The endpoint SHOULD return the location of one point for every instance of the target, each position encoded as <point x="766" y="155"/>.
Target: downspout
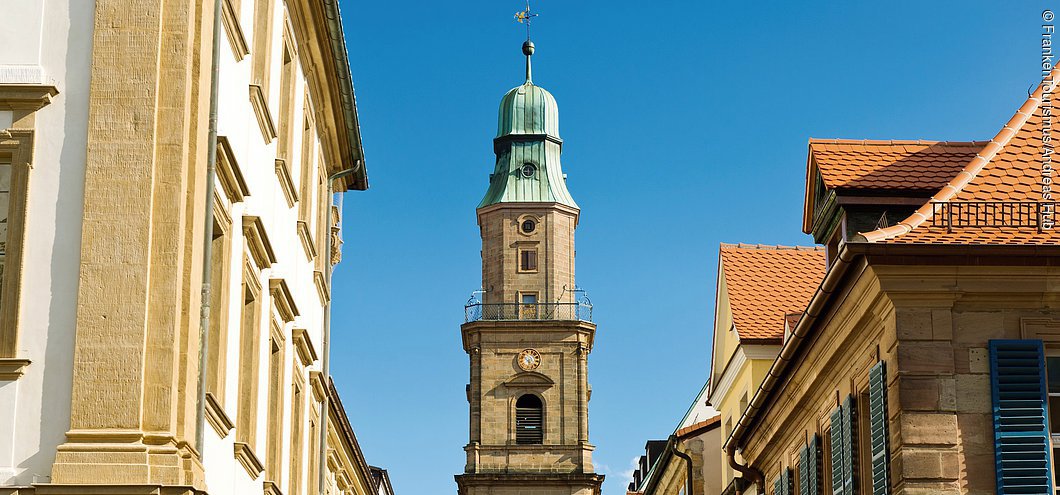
<point x="688" y="464"/>
<point x="747" y="472"/>
<point x="207" y="238"/>
<point x="325" y="361"/>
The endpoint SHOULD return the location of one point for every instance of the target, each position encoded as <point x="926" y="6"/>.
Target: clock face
<point x="529" y="359"/>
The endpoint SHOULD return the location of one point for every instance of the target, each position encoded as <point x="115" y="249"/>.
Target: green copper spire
<point x="528" y="147"/>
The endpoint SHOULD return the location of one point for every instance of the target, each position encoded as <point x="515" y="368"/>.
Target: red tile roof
<point x="1008" y="169"/>
<point x="890" y="165"/>
<point x="766" y="283"/>
<point x="699" y="427"/>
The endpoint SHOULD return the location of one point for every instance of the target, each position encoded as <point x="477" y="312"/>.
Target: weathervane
<point x="525" y="17"/>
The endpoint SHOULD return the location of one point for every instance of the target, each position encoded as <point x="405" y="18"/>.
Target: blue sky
<point x="685" y="125"/>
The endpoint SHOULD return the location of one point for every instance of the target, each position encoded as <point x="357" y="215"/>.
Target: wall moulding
<point x="236" y="39"/>
<point x="228" y="172"/>
<point x="259" y="101"/>
<point x="30" y="97"/>
<point x="216" y="416"/>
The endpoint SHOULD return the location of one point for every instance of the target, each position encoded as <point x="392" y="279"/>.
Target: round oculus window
<point x="529" y="169"/>
<point x="528" y="226"/>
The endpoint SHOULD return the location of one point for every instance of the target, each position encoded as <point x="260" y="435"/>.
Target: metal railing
<point x="576" y="311"/>
<point x="996" y="214"/>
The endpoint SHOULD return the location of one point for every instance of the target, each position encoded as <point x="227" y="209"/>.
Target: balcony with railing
<point x="581" y="310"/>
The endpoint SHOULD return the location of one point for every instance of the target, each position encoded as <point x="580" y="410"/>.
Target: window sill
<point x="12" y="369"/>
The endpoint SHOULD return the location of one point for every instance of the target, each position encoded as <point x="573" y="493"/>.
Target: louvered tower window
<point x="528" y="427"/>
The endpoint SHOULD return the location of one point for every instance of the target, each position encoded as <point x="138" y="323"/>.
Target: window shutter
<point x="782" y="485"/>
<point x="878" y="428"/>
<point x="847" y="447"/>
<point x="813" y="469"/>
<point x="1021" y="434"/>
<point x="804" y="471"/>
<point x="836" y="437"/>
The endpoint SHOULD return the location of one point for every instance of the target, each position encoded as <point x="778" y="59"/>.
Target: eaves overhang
<point x="857" y="256"/>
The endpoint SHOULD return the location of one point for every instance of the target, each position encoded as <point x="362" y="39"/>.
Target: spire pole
<point x="525" y="17"/>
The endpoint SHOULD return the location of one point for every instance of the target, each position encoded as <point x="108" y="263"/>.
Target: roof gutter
<point x="346" y="94"/>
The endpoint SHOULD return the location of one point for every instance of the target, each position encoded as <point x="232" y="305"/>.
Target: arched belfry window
<point x="528" y="427"/>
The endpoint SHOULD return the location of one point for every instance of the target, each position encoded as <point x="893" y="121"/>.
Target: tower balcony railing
<point x="555" y="311"/>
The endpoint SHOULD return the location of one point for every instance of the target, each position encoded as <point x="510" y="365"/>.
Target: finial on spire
<point x="525" y="17"/>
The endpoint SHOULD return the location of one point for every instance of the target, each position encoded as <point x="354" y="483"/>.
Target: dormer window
<point x="528" y="170"/>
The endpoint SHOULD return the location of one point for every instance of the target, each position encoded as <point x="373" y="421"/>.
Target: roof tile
<point x="890" y="165"/>
<point x="767" y="283"/>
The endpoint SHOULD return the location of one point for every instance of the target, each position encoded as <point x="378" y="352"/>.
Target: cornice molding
<point x="303" y="345"/>
<point x="246" y="457"/>
<point x="283" y="174"/>
<point x="31" y="97"/>
<point x="743" y="354"/>
<point x="322" y="287"/>
<point x="258" y="241"/>
<point x="260" y="102"/>
<point x="236" y="39"/>
<point x="12" y="368"/>
<point x="282" y="299"/>
<point x="316" y="381"/>
<point x="228" y="172"/>
<point x="306" y="237"/>
<point x="216" y="416"/>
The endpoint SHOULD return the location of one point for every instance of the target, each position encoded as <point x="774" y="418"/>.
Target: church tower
<point x="529" y="334"/>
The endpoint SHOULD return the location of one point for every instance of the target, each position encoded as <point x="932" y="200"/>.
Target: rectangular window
<point x="528" y="307"/>
<point x="314" y="449"/>
<point x="285" y="136"/>
<point x="261" y="52"/>
<point x="275" y="419"/>
<point x="528" y="260"/>
<point x="249" y="356"/>
<point x="305" y="183"/>
<point x="220" y="266"/>
<point x="297" y="418"/>
<point x="16" y="152"/>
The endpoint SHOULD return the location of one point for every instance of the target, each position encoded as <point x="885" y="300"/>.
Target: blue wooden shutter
<point x="878" y="428"/>
<point x="836" y="439"/>
<point x="813" y="470"/>
<point x="847" y="447"/>
<point x="1021" y="432"/>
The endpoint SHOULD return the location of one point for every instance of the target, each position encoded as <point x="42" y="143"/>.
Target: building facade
<point x="529" y="336"/>
<point x="925" y="361"/>
<point x="122" y="247"/>
<point x="761" y="291"/>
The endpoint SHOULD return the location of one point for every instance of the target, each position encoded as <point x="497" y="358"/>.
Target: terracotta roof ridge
<point x="886" y="142"/>
<point x="768" y="247"/>
<point x="694" y="428"/>
<point x="982" y="158"/>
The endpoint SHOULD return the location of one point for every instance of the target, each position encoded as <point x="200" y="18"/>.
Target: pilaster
<point x="135" y="358"/>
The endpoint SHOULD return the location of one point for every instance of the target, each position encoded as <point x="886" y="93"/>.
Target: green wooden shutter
<point x="804" y="471"/>
<point x="878" y="428"/>
<point x="849" y="452"/>
<point x="836" y="438"/>
<point x="1021" y="434"/>
<point x="786" y="479"/>
<point x="813" y="469"/>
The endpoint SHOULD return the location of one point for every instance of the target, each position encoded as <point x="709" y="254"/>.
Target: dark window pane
<point x="1052" y="368"/>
